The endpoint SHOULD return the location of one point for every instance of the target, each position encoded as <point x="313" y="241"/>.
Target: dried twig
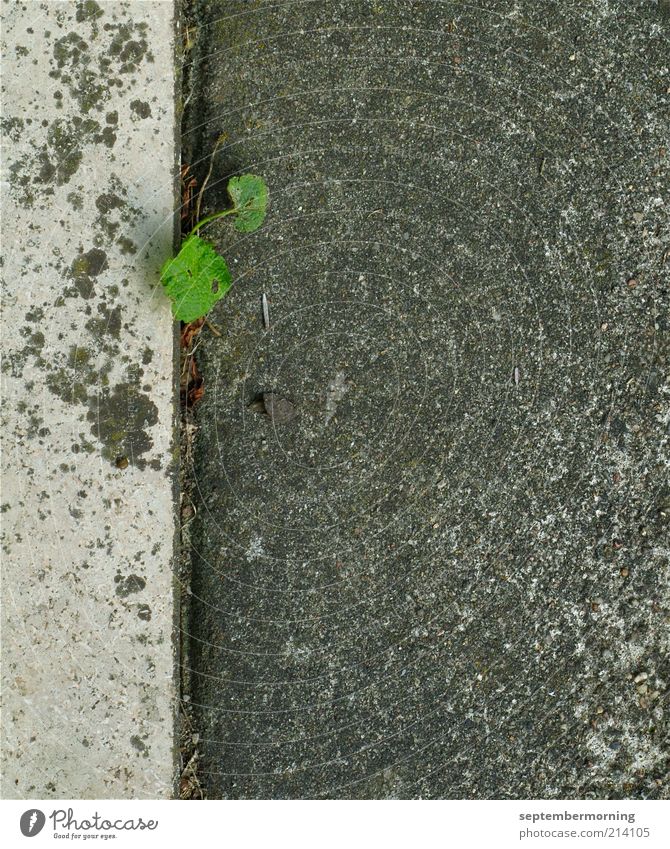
<point x="266" y="311"/>
<point x="215" y="330"/>
<point x="188" y="184"/>
<point x="219" y="142"/>
<point x="189" y="332"/>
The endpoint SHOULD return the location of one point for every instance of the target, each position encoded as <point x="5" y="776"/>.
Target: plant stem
<point x="215" y="330"/>
<point x="219" y="142"/>
<point x="211" y="218"/>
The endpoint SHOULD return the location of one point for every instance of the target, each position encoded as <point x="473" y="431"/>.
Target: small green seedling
<point x="198" y="276"/>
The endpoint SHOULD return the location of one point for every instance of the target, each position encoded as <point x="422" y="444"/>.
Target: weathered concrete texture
<point x="87" y="499"/>
<point x="446" y="578"/>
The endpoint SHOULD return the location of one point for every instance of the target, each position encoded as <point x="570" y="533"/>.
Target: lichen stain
<point x="88" y="10"/>
<point x="141" y="108"/>
<point x="33" y="348"/>
<point x="60" y="158"/>
<point x="70" y="391"/>
<point x="119" y="417"/>
<point x="125" y="586"/>
<point x="88" y="74"/>
<point x="127" y="246"/>
<point x="109" y="322"/>
<point x="107" y="137"/>
<point x="86" y="267"/>
<point x="35" y="314"/>
<point x="138" y="744"/>
<point x="128" y="51"/>
<point x="12" y="128"/>
<point x="108" y="201"/>
<point x="69" y="50"/>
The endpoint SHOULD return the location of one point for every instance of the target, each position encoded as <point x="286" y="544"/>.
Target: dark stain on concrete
<point x="83" y="271"/>
<point x="108" y="201"/>
<point x="108" y="322"/>
<point x="141" y="108"/>
<point x="140" y="745"/>
<point x="119" y="417"/>
<point x="128" y="585"/>
<point x="88" y="10"/>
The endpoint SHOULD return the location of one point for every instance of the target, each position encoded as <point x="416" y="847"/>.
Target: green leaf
<point x="195" y="279"/>
<point x="249" y="195"/>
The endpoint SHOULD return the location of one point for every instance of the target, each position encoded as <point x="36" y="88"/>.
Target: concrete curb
<point x="90" y="458"/>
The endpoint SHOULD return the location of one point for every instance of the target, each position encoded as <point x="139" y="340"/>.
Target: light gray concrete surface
<point x="88" y="121"/>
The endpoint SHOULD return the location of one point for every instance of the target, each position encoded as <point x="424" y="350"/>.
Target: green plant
<point x="198" y="276"/>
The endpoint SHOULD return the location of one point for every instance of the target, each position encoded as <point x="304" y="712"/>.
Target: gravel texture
<point x="446" y="576"/>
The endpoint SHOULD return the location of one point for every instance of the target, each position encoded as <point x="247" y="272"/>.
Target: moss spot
<point x="60" y="158"/>
<point x="107" y="137"/>
<point x="37" y="339"/>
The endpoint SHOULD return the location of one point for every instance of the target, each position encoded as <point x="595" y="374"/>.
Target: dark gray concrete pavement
<point x="447" y="576"/>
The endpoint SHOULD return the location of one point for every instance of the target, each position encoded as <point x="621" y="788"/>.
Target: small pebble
<point x="280" y="410"/>
<point x="640" y="678"/>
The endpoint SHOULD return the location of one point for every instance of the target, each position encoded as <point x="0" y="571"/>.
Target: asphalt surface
<point x="446" y="576"/>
